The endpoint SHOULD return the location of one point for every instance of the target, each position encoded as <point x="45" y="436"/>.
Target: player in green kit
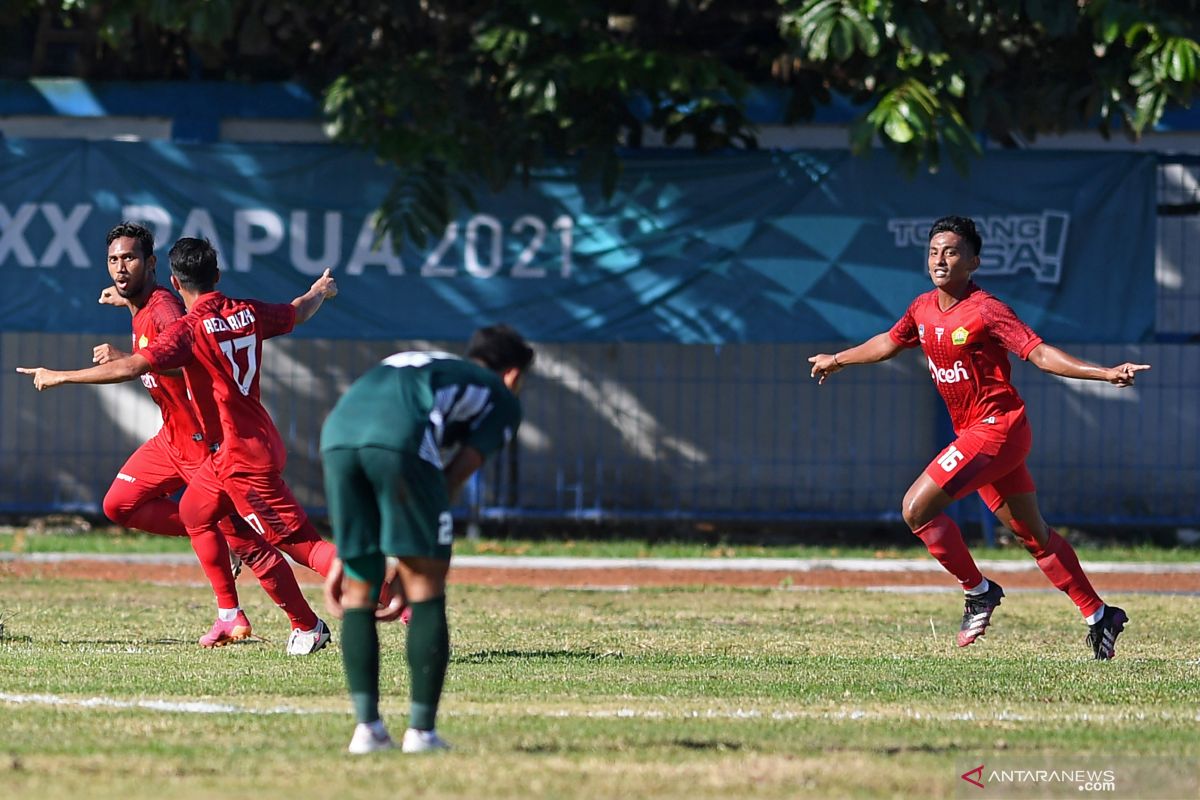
<point x="388" y="490"/>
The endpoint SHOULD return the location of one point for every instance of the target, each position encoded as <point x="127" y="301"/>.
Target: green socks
<point x="428" y="656"/>
<point x="360" y="657"/>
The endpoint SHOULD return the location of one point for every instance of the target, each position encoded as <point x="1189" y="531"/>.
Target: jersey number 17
<point x="232" y="348"/>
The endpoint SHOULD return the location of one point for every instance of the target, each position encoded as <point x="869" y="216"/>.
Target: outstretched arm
<point x="878" y="348"/>
<point x="119" y="371"/>
<point x="308" y="303"/>
<point x="1050" y="359"/>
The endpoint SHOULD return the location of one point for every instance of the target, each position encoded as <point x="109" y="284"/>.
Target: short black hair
<point x="133" y="230"/>
<point x="963" y="226"/>
<point x="194" y="264"/>
<point x="500" y="348"/>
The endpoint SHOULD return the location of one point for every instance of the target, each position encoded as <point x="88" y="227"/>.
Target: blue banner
<point x="754" y="247"/>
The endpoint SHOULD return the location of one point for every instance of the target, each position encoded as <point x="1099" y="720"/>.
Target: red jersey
<point x="219" y="342"/>
<point x="180" y="428"/>
<point x="967" y="349"/>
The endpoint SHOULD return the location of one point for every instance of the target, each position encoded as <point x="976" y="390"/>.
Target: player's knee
<point x="914" y="513"/>
<point x="118" y="508"/>
<point x="195" y="515"/>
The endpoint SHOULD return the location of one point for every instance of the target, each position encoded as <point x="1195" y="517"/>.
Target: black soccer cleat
<point x="1102" y="637"/>
<point x="977" y="614"/>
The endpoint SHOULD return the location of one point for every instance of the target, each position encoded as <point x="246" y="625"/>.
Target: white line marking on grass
<point x="173" y="706"/>
<point x="852" y="714"/>
<point x="700" y="564"/>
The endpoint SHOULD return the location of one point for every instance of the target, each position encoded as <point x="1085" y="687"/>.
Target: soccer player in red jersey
<point x="966" y="335"/>
<point x="140" y="494"/>
<point x="218" y="343"/>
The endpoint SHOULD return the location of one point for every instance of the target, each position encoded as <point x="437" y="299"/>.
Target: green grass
<point x="697" y="693"/>
<point x="117" y="540"/>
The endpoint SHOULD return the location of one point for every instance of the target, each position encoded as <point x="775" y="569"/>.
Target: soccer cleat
<point x="222" y="632"/>
<point x="370" y="738"/>
<point x="235" y="564"/>
<point x="416" y="741"/>
<point x="1102" y="637"/>
<point x="977" y="614"/>
<point x="301" y="643"/>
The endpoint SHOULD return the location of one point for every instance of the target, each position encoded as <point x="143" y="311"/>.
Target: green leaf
<point x="897" y="128"/>
<point x="841" y="40"/>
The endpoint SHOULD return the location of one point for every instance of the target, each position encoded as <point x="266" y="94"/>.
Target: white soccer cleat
<point x="301" y="643"/>
<point x="370" y="738"/>
<point x="416" y="741"/>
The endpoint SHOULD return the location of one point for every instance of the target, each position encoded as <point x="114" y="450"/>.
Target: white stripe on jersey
<point x="449" y="407"/>
<point x="429" y="450"/>
<point x="474" y="399"/>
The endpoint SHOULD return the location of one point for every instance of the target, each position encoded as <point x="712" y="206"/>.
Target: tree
<point x="461" y="94"/>
<point x="933" y="75"/>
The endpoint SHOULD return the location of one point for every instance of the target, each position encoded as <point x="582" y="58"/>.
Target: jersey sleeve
<point x="274" y="319"/>
<point x="1007" y="328"/>
<point x="496" y="426"/>
<point x="172" y="347"/>
<point x="904" y="332"/>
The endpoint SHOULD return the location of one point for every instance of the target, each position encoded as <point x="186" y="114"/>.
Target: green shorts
<point x="384" y="501"/>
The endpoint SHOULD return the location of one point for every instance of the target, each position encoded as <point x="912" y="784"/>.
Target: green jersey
<point x="425" y="403"/>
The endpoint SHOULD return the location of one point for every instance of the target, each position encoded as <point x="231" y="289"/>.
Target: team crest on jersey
<point x="921" y="332"/>
<point x="959" y="335"/>
<point x="142" y="342"/>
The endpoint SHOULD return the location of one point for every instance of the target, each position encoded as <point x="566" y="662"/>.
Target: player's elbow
<point x="1038" y="356"/>
<point x="126" y="369"/>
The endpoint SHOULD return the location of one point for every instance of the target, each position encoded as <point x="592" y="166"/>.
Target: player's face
<point x="951" y="260"/>
<point x="131" y="273"/>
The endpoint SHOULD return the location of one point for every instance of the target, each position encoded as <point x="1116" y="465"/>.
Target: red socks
<point x="272" y="570"/>
<point x="157" y="515"/>
<point x="1060" y="564"/>
<point x="308" y="548"/>
<point x="213" y="553"/>
<point x="944" y="541"/>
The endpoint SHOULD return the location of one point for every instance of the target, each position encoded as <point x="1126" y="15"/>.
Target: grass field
<point x="697" y="693"/>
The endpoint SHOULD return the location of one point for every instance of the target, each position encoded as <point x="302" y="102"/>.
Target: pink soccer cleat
<point x="222" y="632"/>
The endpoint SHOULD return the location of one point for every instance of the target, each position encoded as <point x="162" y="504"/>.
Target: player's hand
<point x="110" y="297"/>
<point x="1124" y="374"/>
<point x="42" y="378"/>
<point x="824" y="365"/>
<point x="394" y="588"/>
<point x="325" y="284"/>
<point x="333" y="589"/>
<point x="104" y="353"/>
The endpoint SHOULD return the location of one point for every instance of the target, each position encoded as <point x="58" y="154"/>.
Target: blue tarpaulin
<point x="748" y="247"/>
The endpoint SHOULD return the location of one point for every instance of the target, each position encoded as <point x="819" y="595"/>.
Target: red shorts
<point x="153" y="470"/>
<point x="262" y="499"/>
<point x="989" y="458"/>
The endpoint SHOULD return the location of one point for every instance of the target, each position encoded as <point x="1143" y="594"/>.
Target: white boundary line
<point x="700" y="564"/>
<point x="852" y="714"/>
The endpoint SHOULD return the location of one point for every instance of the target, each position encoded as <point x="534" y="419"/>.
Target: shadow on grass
<point x="491" y="656"/>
